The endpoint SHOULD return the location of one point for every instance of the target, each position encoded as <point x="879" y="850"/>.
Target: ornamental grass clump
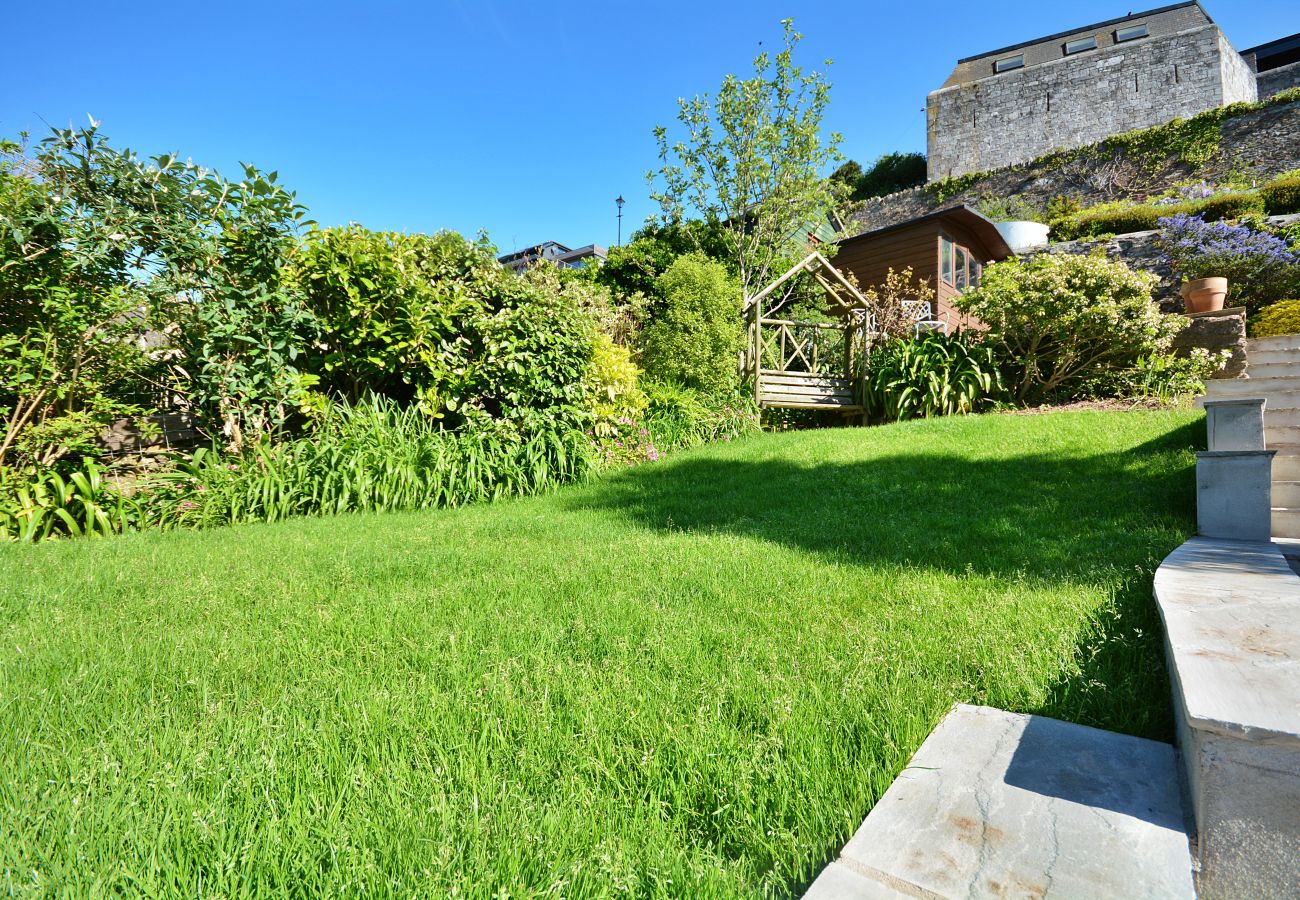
<point x="1059" y="322"/>
<point x="1260" y="267"/>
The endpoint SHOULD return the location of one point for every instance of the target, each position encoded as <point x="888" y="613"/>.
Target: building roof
<point x="981" y="225"/>
<point x="1106" y="24"/>
<point x="1275" y="53"/>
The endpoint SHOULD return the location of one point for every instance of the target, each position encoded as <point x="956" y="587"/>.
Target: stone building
<point x="1276" y="64"/>
<point x="1014" y="104"/>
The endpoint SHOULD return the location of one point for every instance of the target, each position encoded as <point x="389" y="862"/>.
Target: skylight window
<point x="1131" y="33"/>
<point x="1007" y="63"/>
<point x="1079" y="45"/>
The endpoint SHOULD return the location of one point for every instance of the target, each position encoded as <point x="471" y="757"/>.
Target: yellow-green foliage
<point x="1282" y="194"/>
<point x="612" y="389"/>
<point x="1282" y="317"/>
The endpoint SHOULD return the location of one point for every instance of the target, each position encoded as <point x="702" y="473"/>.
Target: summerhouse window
<point x="957" y="266"/>
<point x="1131" y="33"/>
<point x="1079" y="45"/>
<point x="1007" y="63"/>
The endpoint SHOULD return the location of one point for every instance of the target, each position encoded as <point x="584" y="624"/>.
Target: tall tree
<point x="751" y="162"/>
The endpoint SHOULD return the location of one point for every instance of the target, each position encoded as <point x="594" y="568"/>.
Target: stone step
<point x="1223" y="388"/>
<point x="1277" y="400"/>
<point x="1277" y="436"/>
<point x="1272" y="357"/>
<point x="1286" y="523"/>
<point x="1286" y="463"/>
<point x="1286" y="492"/>
<point x="1281" y="418"/>
<point x="996" y="804"/>
<point x="1273" y="370"/>
<point x="1281" y="342"/>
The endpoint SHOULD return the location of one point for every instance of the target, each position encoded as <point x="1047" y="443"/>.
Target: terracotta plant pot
<point x="1204" y="294"/>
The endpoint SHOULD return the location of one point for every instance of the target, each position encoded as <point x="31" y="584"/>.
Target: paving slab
<point x="1232" y="636"/>
<point x="996" y="804"/>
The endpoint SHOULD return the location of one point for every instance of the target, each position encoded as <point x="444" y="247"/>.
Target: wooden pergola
<point x="810" y="365"/>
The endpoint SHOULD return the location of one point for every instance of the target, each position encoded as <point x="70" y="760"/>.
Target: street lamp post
<point x="619" y="201"/>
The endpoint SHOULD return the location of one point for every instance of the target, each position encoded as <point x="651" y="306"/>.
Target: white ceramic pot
<point x="1022" y="236"/>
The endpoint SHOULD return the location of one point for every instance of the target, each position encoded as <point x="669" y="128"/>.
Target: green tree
<point x="751" y="163"/>
<point x="695" y="339"/>
<point x="634" y="269"/>
<point x="890" y="173"/>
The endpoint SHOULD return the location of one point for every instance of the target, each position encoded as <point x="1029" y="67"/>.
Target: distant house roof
<point x="1106" y="24"/>
<point x="552" y="251"/>
<point x="963" y="215"/>
<point x="1276" y="53"/>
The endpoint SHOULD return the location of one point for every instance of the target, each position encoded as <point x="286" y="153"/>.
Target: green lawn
<point x="691" y="678"/>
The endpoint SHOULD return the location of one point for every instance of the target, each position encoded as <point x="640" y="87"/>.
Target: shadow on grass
<point x="1061" y="517"/>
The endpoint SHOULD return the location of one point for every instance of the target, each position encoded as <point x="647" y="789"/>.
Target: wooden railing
<point x="806" y="365"/>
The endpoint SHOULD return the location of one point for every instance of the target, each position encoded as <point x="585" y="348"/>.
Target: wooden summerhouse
<point x="948" y="249"/>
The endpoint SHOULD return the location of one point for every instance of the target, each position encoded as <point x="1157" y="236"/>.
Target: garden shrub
<point x="1057" y="321"/>
<point x="1260" y="267"/>
<point x="1013" y="208"/>
<point x="695" y="340"/>
<point x="436" y="321"/>
<point x="1281" y="196"/>
<point x="613" y="394"/>
<point x="931" y="375"/>
<point x="1229" y="205"/>
<point x="1158" y="376"/>
<point x="1282" y="317"/>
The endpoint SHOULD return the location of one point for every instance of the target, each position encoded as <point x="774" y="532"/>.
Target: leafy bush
<point x="436" y="321"/>
<point x="678" y="417"/>
<point x="695" y="341"/>
<point x="1282" y="317"/>
<point x="1058" y="320"/>
<point x="931" y="375"/>
<point x="1159" y="376"/>
<point x="1281" y="196"/>
<point x="633" y="270"/>
<point x="372" y="455"/>
<point x="612" y="391"/>
<point x="72" y="305"/>
<point x="1260" y="267"/>
<point x="49" y="504"/>
<point x="1008" y="209"/>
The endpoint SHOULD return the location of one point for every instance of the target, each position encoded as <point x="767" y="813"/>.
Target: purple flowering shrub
<point x="623" y="443"/>
<point x="1260" y="267"/>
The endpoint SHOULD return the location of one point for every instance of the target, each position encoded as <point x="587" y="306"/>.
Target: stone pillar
<point x="1235" y="424"/>
<point x="1234" y="494"/>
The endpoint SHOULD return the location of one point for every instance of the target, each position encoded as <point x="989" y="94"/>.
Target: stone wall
<point x="1264" y="141"/>
<point x="1017" y="116"/>
<point x="1280" y="79"/>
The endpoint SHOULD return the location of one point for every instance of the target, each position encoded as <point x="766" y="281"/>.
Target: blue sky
<point x="526" y="120"/>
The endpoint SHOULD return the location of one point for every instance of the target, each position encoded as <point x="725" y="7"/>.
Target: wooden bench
<point x="804" y="390"/>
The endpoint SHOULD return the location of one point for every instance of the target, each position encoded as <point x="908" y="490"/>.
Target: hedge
<point x="1125" y="218"/>
<point x="1281" y="196"/>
